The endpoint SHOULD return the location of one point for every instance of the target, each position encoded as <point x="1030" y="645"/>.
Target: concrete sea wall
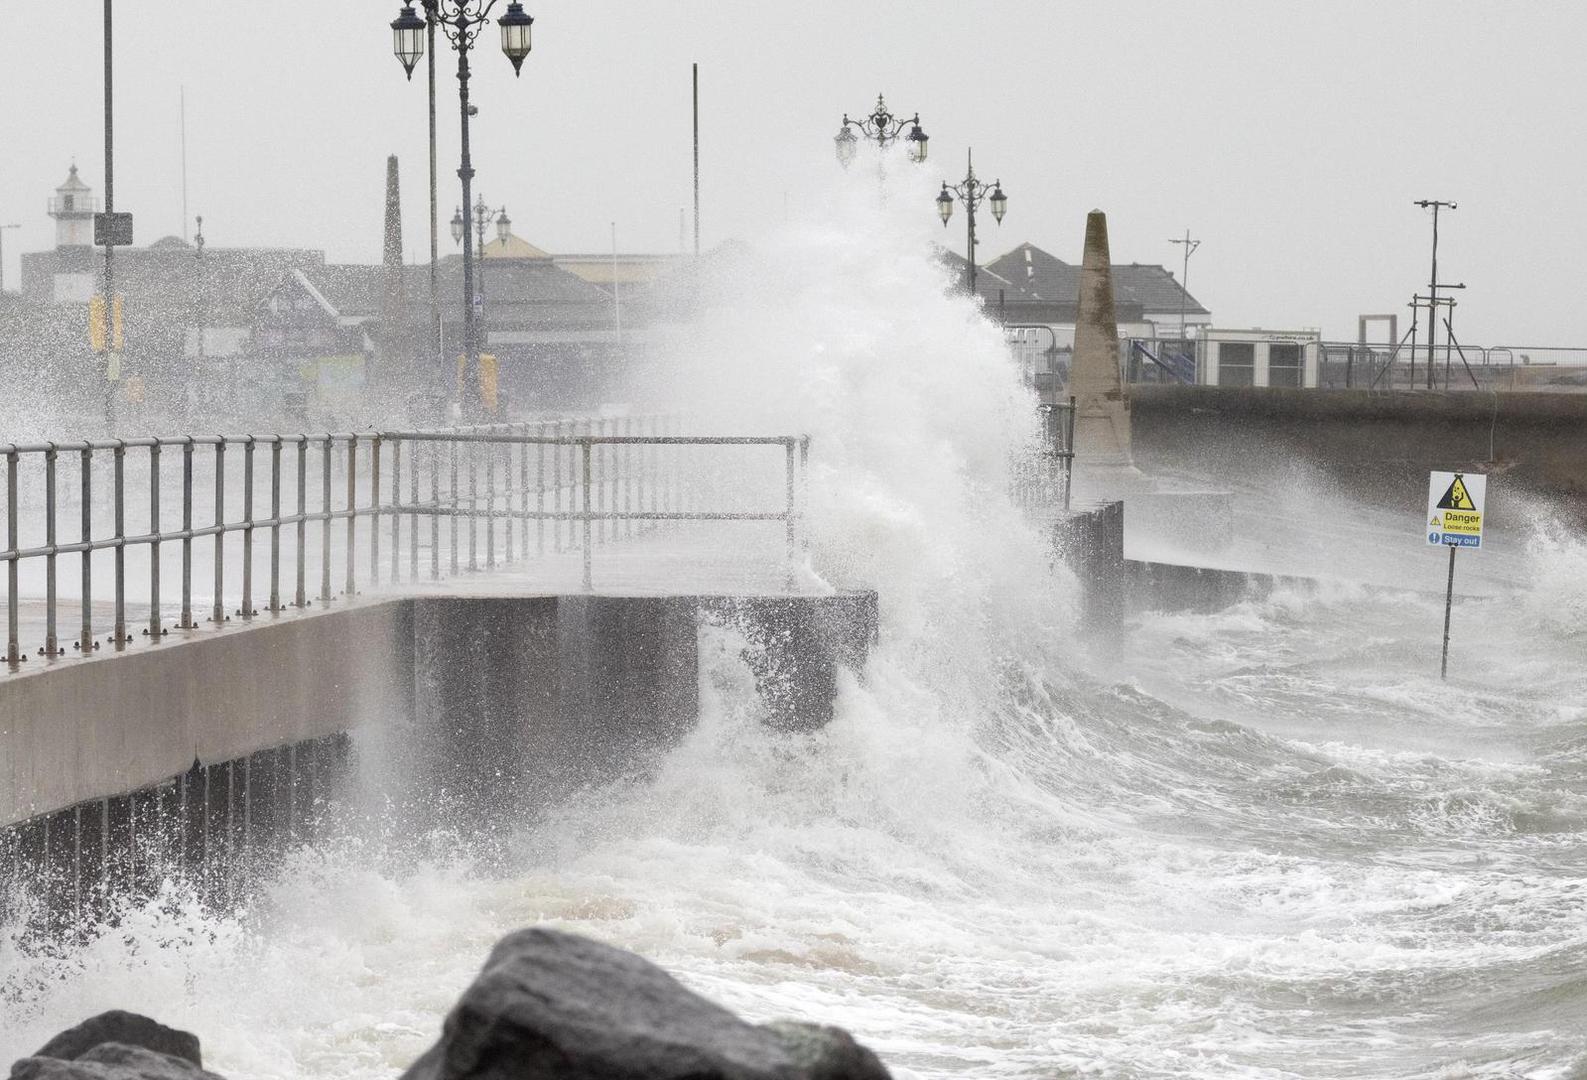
<point x="1380" y="445"/>
<point x="195" y="755"/>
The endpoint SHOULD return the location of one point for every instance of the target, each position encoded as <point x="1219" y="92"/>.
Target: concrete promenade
<point x="487" y="686"/>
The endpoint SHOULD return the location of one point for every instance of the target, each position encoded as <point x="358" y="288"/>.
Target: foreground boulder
<point x="110" y="1061"/>
<point x="560" y="1007"/>
<point x="122" y="1027"/>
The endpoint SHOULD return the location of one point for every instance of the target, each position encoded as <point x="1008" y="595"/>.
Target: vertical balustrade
<point x="121" y="544"/>
<point x="396" y="501"/>
<point x="556" y="487"/>
<point x="155" y="627"/>
<point x="50" y="633"/>
<point x="85" y="632"/>
<point x="351" y="586"/>
<point x="374" y="511"/>
<point x="300" y="597"/>
<point x="455" y="504"/>
<point x="523" y="491"/>
<point x="414" y="517"/>
<point x="186" y="620"/>
<point x="217" y="611"/>
<point x="472" y="451"/>
<point x="13" y="649"/>
<point x="246" y="610"/>
<point x="588" y="553"/>
<point x="540" y="492"/>
<point x="504" y="453"/>
<point x="488" y="452"/>
<point x="325" y="521"/>
<point x="603" y="481"/>
<point x="274" y="606"/>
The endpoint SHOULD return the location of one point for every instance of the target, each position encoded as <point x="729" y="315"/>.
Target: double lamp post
<point x="883" y="127"/>
<point x="461" y="21"/>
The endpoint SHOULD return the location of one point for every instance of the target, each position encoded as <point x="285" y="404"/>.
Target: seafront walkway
<point x="196" y="625"/>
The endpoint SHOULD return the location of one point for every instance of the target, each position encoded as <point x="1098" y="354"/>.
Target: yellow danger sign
<point x="1454" y="509"/>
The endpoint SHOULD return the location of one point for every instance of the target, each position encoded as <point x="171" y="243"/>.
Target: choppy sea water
<point x="1266" y="842"/>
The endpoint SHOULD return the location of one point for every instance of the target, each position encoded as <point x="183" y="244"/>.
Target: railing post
<point x="121" y="544"/>
<point x="50" y="633"/>
<point x="275" y="525"/>
<point x="155" y="629"/>
<point x="413" y="518"/>
<point x="456" y="503"/>
<point x="186" y="620"/>
<point x="85" y="636"/>
<point x="247" y="609"/>
<point x="540" y="492"/>
<point x="504" y="452"/>
<point x="588" y="552"/>
<point x="473" y="505"/>
<point x="13" y="647"/>
<point x="396" y="518"/>
<point x="300" y="597"/>
<point x="602" y="454"/>
<point x="374" y="511"/>
<point x="217" y="610"/>
<point x="630" y="455"/>
<point x="556" y="486"/>
<point x="788" y="514"/>
<point x="352" y="515"/>
<point x="523" y="491"/>
<point x="804" y="492"/>
<point x="325" y="522"/>
<point x="435" y="515"/>
<point x="489" y="450"/>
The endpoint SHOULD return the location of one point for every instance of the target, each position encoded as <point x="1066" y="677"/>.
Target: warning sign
<point x="1454" y="509"/>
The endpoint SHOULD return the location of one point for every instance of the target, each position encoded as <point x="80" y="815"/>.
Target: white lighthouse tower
<point x="73" y="207"/>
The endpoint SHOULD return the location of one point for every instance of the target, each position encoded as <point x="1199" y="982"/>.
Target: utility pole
<point x="1190" y="247"/>
<point x="1432" y="286"/>
<point x="112" y="362"/>
<point x="696" y="70"/>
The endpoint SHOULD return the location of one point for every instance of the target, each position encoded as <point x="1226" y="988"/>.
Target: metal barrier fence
<point x="580" y="483"/>
<point x="1041" y="480"/>
<point x="1456" y="366"/>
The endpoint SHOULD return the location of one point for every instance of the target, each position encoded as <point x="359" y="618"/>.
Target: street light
<point x="882" y="128"/>
<point x="972" y="192"/>
<point x="482" y="217"/>
<point x="461" y="20"/>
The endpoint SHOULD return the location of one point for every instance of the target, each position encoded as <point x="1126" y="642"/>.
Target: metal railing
<point x="1403" y="365"/>
<point x="1042" y="480"/>
<point x="507" y="492"/>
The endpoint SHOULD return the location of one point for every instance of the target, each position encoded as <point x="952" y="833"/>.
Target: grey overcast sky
<point x="1291" y="137"/>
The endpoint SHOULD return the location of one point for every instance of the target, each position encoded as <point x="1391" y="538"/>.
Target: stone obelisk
<point x="1102" y="411"/>
<point x="394" y="329"/>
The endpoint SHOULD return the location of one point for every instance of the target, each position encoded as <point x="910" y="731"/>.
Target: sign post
<point x="1455" y="504"/>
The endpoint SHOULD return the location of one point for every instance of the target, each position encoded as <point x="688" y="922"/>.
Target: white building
<point x="1257" y="357"/>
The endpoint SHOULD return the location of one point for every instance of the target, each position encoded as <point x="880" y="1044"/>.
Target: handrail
<point x="592" y="481"/>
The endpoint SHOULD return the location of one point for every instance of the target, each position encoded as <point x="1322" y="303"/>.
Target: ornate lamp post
<point x="482" y="217"/>
<point x="461" y="21"/>
<point x="972" y="192"/>
<point x="882" y="128"/>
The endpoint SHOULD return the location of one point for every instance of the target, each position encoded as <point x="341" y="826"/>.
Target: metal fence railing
<point x="358" y="508"/>
<point x="1041" y="480"/>
<point x="1455" y="366"/>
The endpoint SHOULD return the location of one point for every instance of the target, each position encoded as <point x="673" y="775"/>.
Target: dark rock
<point x="110" y="1061"/>
<point x="560" y="1007"/>
<point x="127" y="1028"/>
